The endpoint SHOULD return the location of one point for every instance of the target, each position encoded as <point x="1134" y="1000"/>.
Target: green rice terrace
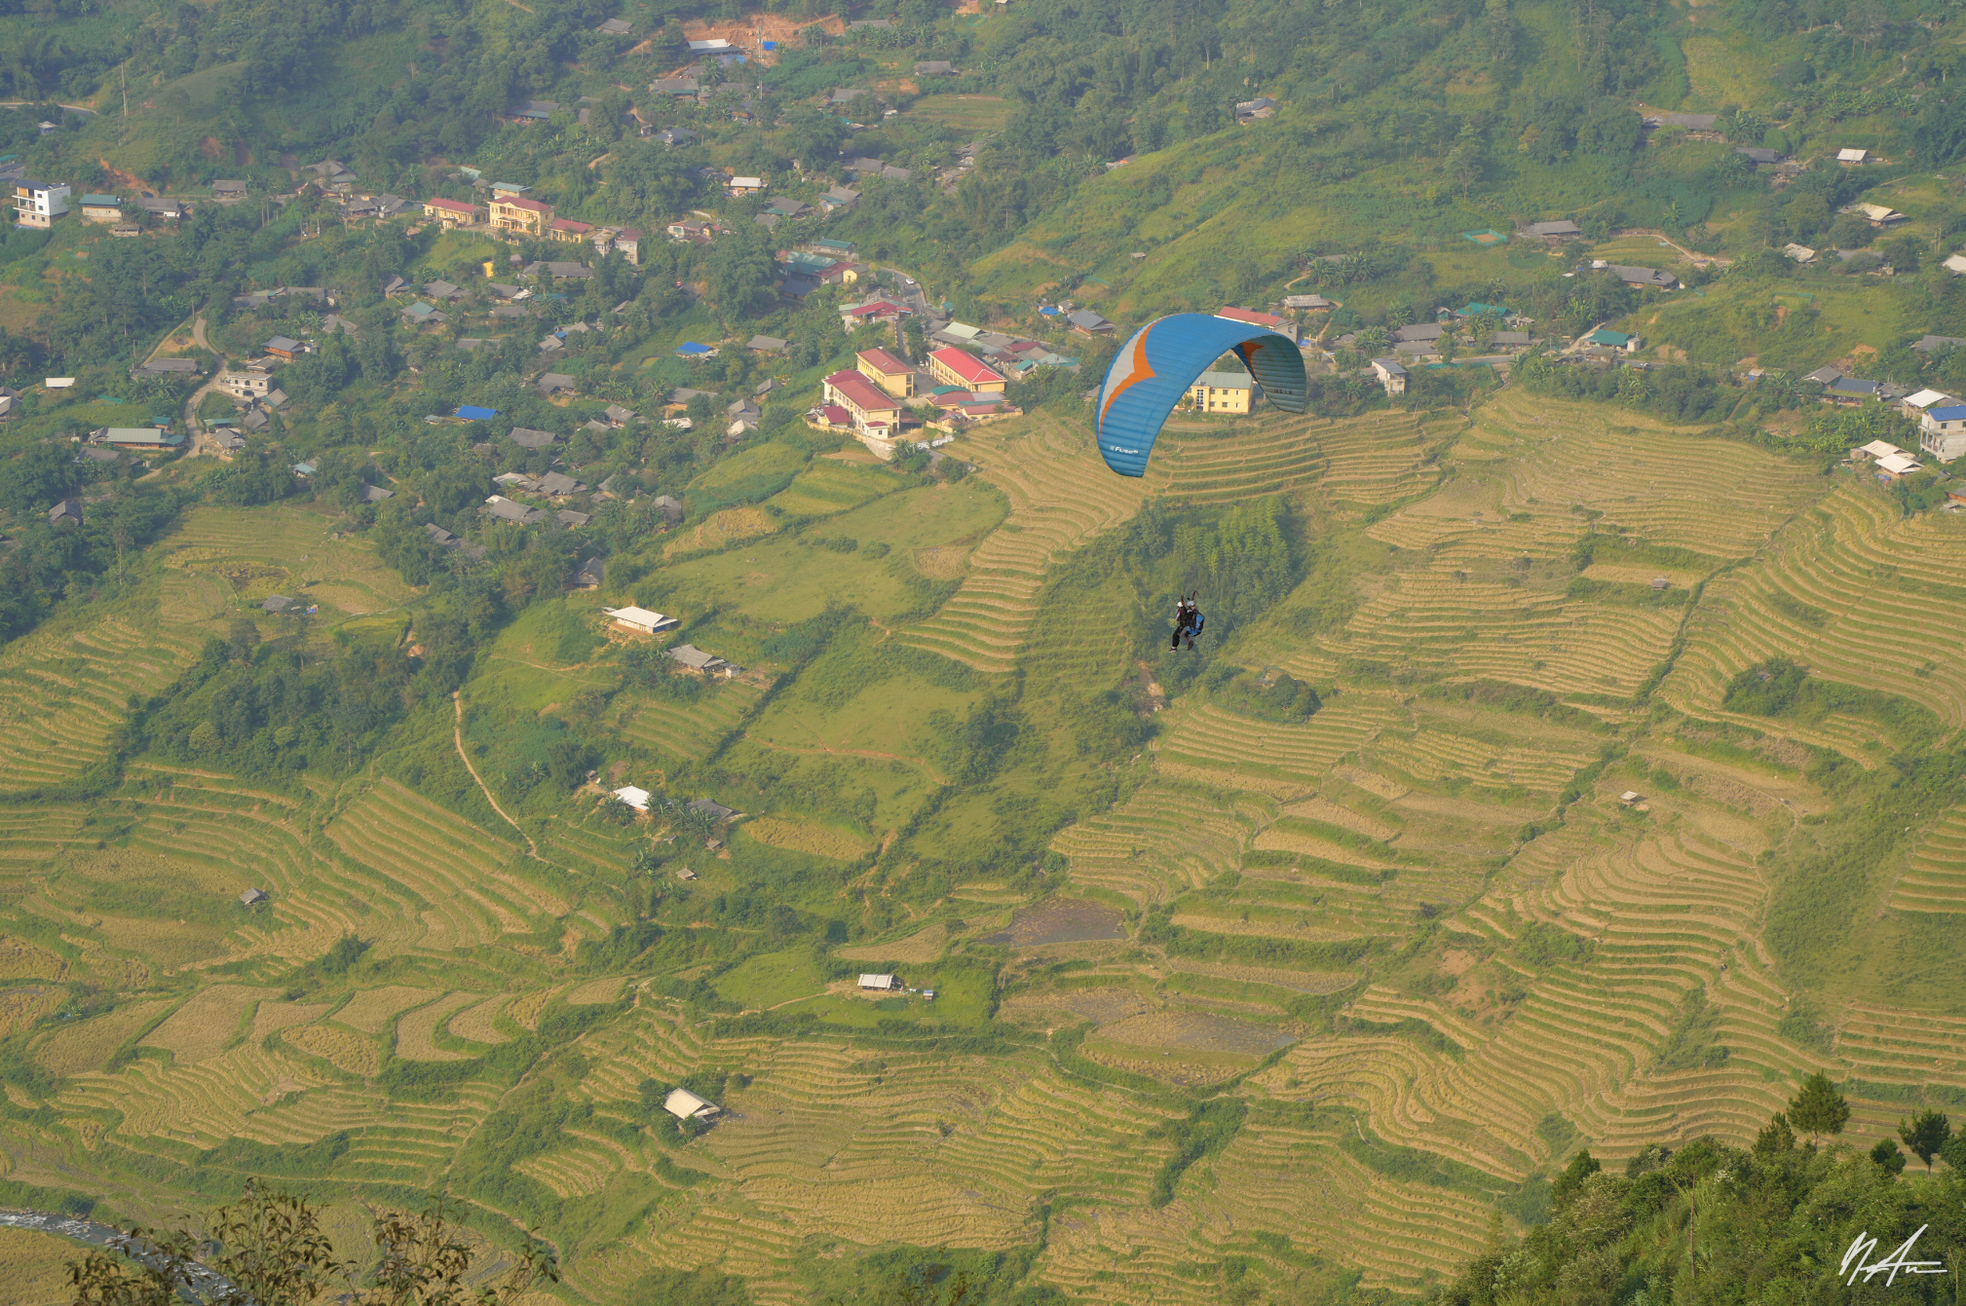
<point x="1619" y="796"/>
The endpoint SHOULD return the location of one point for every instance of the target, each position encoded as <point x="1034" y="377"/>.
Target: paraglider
<point x="1161" y="360"/>
<point x="1188" y="621"/>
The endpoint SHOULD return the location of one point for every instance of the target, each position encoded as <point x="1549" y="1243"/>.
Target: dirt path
<point x="457" y="733"/>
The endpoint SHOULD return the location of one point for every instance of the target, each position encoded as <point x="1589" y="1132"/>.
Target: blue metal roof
<point x="473" y="414"/>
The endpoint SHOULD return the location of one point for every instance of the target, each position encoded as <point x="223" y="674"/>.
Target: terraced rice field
<point x="63" y="690"/>
<point x="254" y="552"/>
<point x="1849" y="590"/>
<point x="1060" y="496"/>
<point x="1936" y="879"/>
<point x="460" y="878"/>
<point x="681" y="731"/>
<point x="1644" y="476"/>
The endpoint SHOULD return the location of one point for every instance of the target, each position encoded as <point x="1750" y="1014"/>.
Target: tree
<point x="1817" y="1108"/>
<point x="1775" y="1137"/>
<point x="1888" y="1157"/>
<point x="1925" y="1135"/>
<point x="271" y="1250"/>
<point x="1582" y="1166"/>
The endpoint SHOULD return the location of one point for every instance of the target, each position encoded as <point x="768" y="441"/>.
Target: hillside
<point x="1574" y="759"/>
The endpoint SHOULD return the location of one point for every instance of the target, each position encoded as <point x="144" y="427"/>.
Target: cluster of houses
<point x="877" y="399"/>
<point x="1941" y="417"/>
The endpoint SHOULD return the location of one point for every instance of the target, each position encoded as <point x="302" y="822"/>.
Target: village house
<point x="1268" y="321"/>
<point x="517" y="215"/>
<point x="245" y="385"/>
<point x="1639" y="278"/>
<point x="141" y="439"/>
<point x="1916" y="404"/>
<point x="1391" y="375"/>
<point x="1942" y="432"/>
<point x="1557" y="229"/>
<point x="1088" y="323"/>
<point x="888" y="372"/>
<point x="569" y="232"/>
<point x="1618" y="340"/>
<point x="285" y="347"/>
<point x="881" y="983"/>
<point x="101" y="208"/>
<point x="641" y="620"/>
<point x="38" y="204"/>
<point x="1230" y="393"/>
<point x="685" y="1105"/>
<point x="451" y="213"/>
<point x="695" y="659"/>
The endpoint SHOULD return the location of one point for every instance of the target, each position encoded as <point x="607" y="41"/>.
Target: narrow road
<point x="201" y="441"/>
<point x="457" y="733"/>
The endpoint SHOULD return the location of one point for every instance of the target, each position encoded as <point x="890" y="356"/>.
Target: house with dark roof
<point x="1558" y="229"/>
<point x="1088" y="323"/>
<point x="511" y="510"/>
<point x="1642" y="278"/>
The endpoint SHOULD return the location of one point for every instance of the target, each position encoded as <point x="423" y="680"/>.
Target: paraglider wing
<point x="1161" y="360"/>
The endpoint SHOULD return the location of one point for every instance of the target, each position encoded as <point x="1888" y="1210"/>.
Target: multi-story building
<point x="1223" y="392"/>
<point x="38" y="204"/>
<point x="519" y="216"/>
<point x="451" y="213"/>
<point x="886" y="371"/>
<point x="954" y="366"/>
<point x="874" y="412"/>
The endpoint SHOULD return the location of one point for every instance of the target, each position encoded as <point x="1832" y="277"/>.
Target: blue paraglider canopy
<point x="1161" y="360"/>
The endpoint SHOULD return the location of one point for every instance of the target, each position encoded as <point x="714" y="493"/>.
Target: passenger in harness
<point x="1188" y="621"/>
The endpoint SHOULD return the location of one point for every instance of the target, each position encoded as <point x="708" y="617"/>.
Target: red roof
<point x="451" y="206"/>
<point x="520" y="202"/>
<point x="1250" y="316"/>
<point x="836" y="415"/>
<point x="883" y="362"/>
<point x="878" y="306"/>
<point x="629" y="233"/>
<point x="967" y="366"/>
<point x="568" y="224"/>
<point x="862" y="392"/>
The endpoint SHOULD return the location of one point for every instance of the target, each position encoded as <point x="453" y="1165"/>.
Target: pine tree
<point x="1775" y="1137"/>
<point x="1925" y="1134"/>
<point x="1817" y="1108"/>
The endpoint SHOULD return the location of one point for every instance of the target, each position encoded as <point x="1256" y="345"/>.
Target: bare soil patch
<point x="942" y="563"/>
<point x="1061" y="920"/>
<point x="1192" y="1031"/>
<point x="1103" y="1006"/>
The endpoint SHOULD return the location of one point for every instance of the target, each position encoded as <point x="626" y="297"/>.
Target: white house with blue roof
<point x="1942" y="432"/>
